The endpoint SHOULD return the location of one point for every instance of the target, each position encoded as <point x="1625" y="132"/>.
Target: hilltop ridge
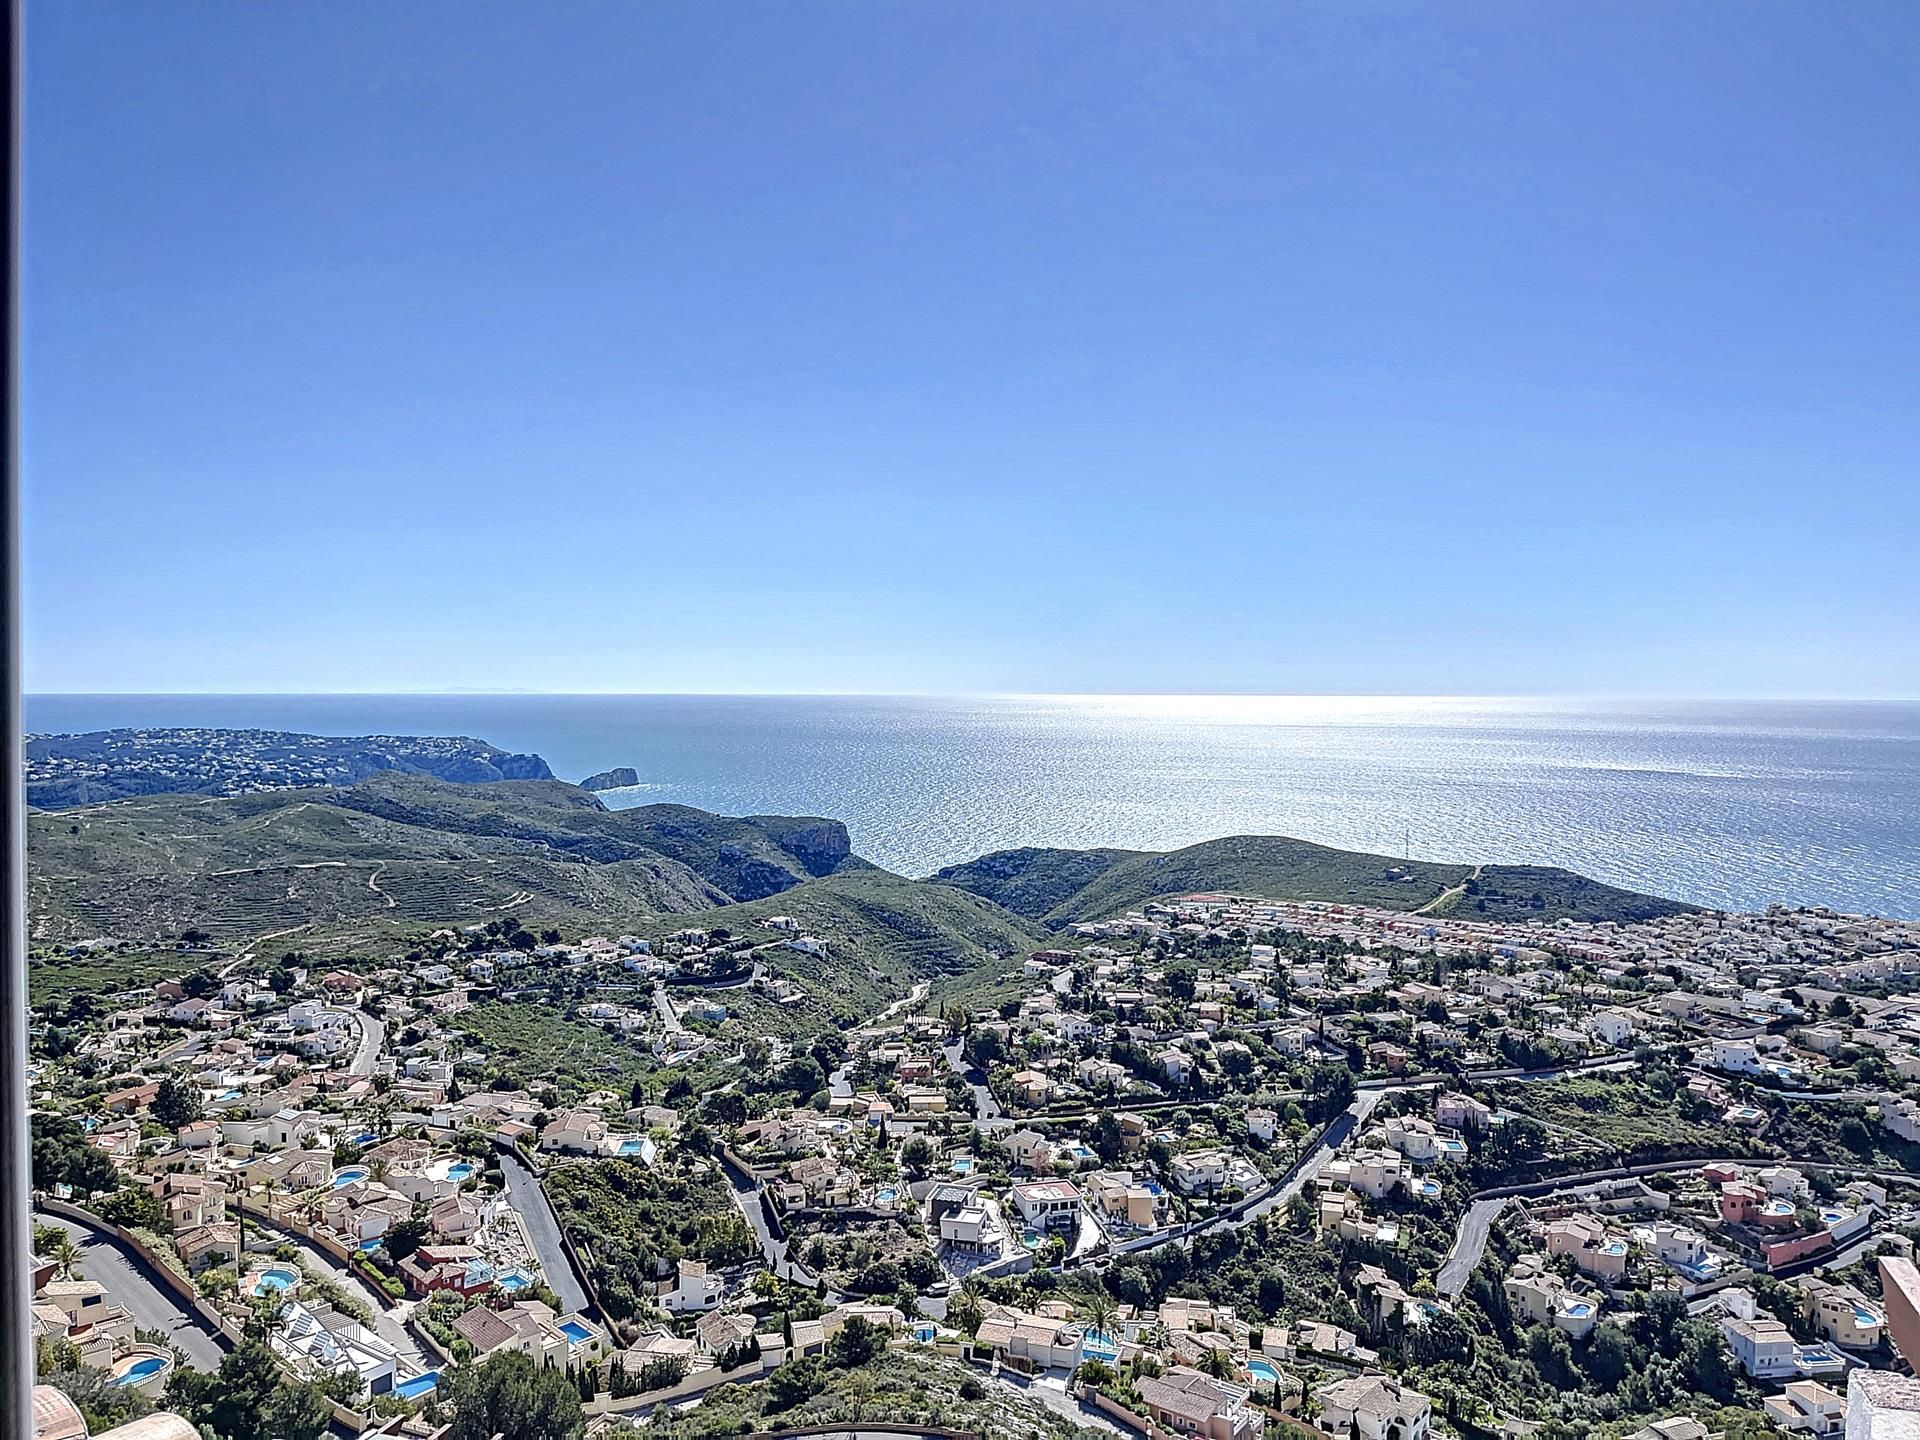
<point x="1060" y="887"/>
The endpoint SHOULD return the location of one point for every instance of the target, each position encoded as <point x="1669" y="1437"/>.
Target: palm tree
<point x="65" y="1255"/>
<point x="1100" y="1309"/>
<point x="1218" y="1364"/>
<point x="265" y="1314"/>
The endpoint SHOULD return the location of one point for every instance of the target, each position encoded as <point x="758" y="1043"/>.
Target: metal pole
<point x="16" y="1232"/>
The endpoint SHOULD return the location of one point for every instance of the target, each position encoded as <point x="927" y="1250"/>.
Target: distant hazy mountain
<point x="68" y="770"/>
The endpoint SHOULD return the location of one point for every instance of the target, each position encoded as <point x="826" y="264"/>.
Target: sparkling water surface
<point x="1730" y="804"/>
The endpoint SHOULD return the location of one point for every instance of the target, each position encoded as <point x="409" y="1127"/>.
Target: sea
<point x="1732" y="805"/>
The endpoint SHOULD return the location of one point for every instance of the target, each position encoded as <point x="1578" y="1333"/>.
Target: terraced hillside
<point x="884" y="933"/>
<point x="1286" y="869"/>
<point x="400" y="848"/>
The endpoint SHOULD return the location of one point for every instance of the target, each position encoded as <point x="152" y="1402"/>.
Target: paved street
<point x="526" y="1196"/>
<point x="1468" y="1246"/>
<point x="373" y="1034"/>
<point x="985" y="1107"/>
<point x="128" y="1284"/>
<point x="1308" y="1168"/>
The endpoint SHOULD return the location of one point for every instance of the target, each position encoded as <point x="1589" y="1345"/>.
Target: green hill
<point x="401" y="848"/>
<point x="745" y="857"/>
<point x="1034" y="881"/>
<point x="883" y="933"/>
<point x="1504" y="891"/>
<point x="1284" y="869"/>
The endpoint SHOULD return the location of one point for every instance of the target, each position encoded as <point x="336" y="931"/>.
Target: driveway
<point x="1051" y="1391"/>
<point x="385" y="1322"/>
<point x="129" y="1283"/>
<point x="985" y="1107"/>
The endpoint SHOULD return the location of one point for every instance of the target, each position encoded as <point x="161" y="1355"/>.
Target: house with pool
<point x="1185" y="1401"/>
<point x="1592" y="1245"/>
<point x="1766" y="1350"/>
<point x="1841" y="1313"/>
<point x="1540" y="1297"/>
<point x="79" y="1311"/>
<point x="1422" y="1142"/>
<point x="529" y="1327"/>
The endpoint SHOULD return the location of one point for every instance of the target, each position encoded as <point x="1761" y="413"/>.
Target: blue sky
<point x="1350" y="347"/>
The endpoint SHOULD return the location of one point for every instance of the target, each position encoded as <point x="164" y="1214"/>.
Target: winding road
<point x="1469" y="1244"/>
<point x="130" y="1283"/>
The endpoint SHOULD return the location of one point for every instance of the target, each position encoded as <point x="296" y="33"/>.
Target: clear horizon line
<point x="1166" y="694"/>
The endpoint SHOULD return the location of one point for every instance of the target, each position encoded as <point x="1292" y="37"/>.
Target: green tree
<point x="405" y="1237"/>
<point x="1330" y="1089"/>
<point x="61" y="1156"/>
<point x="511" y="1395"/>
<point x="175" y="1104"/>
<point x="247" y="1400"/>
<point x="795" y="1382"/>
<point x="133" y="1207"/>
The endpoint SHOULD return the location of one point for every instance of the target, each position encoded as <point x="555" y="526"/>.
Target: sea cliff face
<point x="820" y="846"/>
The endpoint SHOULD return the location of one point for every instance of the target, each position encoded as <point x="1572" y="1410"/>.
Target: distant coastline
<point x="1716" y="803"/>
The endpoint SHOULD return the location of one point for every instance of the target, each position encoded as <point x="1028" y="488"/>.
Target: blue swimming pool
<point x="272" y="1282"/>
<point x="633" y="1145"/>
<point x="347" y="1176"/>
<point x="420" y="1384"/>
<point x="514" y="1280"/>
<point x="460" y="1171"/>
<point x="144" y="1368"/>
<point x="1263" y="1371"/>
<point x="963" y="1165"/>
<point x="576" y="1332"/>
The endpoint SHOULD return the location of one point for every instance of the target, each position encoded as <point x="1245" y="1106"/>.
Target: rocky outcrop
<point x="618" y="778"/>
<point x="820" y="845"/>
